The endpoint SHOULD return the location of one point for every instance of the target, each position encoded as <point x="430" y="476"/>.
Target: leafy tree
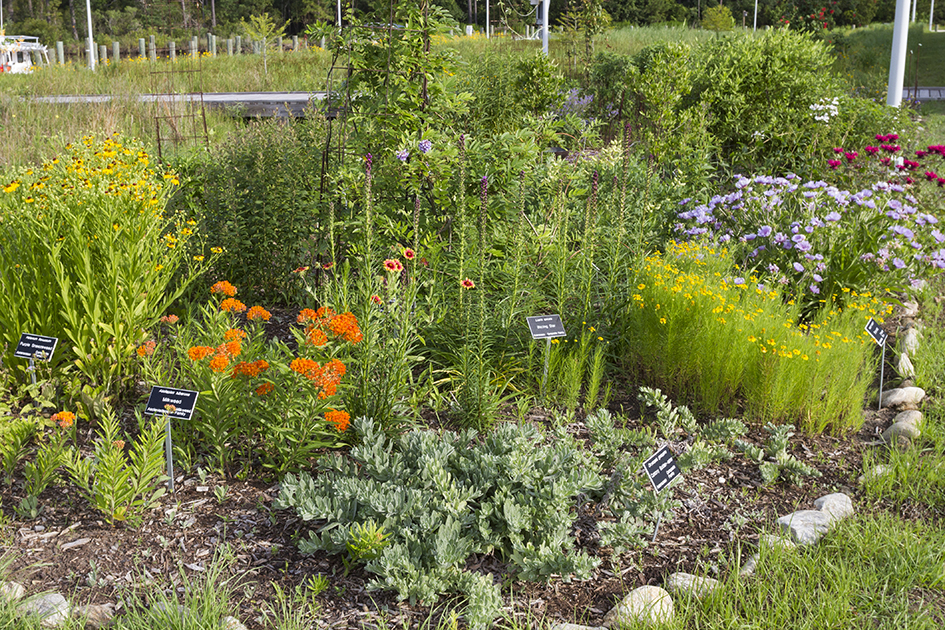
<point x="718" y="19"/>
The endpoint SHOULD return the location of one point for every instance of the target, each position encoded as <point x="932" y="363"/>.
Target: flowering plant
<point x="258" y="399"/>
<point x="89" y="255"/>
<point x="818" y="241"/>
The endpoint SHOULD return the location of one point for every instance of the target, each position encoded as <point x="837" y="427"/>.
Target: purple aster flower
<point x="773" y="269"/>
<point x="821" y="266"/>
<point x="832" y="216"/>
<point x="739" y="281"/>
<point x="898" y="263"/>
<point x="764" y="231"/>
<point x="818" y="278"/>
<point x="938" y="236"/>
<point x="803" y="246"/>
<point x="814" y="289"/>
<point x="798" y="267"/>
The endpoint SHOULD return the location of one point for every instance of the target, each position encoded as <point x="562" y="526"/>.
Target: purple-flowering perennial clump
<point x="819" y="239"/>
<point x="424" y="146"/>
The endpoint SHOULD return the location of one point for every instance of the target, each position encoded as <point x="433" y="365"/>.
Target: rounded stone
<point x="686" y="583"/>
<point x="12" y="591"/>
<point x="901" y="430"/>
<point x="911" y="416"/>
<point x="647" y="604"/>
<point x="903" y="398"/>
<point x="837" y="505"/>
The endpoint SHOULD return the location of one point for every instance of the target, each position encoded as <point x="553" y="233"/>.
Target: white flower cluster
<point x="825" y="109"/>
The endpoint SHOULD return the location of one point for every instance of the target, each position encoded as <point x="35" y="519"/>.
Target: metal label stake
<point x="879" y="336"/>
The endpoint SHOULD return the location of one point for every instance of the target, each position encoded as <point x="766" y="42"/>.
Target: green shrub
<point x="261" y="193"/>
<point x="756" y="94"/>
<point x="718" y="18"/>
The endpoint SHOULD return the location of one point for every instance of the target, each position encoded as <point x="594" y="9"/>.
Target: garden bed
<point x="724" y="508"/>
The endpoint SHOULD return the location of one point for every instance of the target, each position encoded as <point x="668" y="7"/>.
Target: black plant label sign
<point x="876" y="332"/>
<point x="171" y="402"/>
<point x="35" y="347"/>
<point x="661" y="468"/>
<point x="546" y="326"/>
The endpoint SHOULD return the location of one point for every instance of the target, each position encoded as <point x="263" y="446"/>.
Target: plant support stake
<point x="169" y="450"/>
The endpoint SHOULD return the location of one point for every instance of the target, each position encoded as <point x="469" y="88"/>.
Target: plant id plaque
<point x="546" y="327"/>
<point x="170" y="402"/>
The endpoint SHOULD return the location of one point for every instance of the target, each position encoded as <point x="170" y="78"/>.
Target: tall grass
<point x="732" y="346"/>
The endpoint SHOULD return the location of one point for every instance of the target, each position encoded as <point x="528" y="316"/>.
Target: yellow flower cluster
<point x="683" y="284"/>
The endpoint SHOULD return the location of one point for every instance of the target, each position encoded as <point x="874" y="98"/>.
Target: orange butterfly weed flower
<point x="251" y="369"/>
<point x="219" y="363"/>
<point x="64" y="419"/>
<point x="307" y="315"/>
<point x="264" y="389"/>
<point x="303" y="366"/>
<point x="258" y="312"/>
<point x="315" y="336"/>
<point x="146" y="349"/>
<point x="234" y="333"/>
<point x="170" y="319"/>
<point x="119" y="444"/>
<point x="340" y="419"/>
<point x="232" y="305"/>
<point x="223" y="287"/>
<point x="198" y="353"/>
<point x="345" y="325"/>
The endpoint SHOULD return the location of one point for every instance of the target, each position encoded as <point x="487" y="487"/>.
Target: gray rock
<point x="574" y="626"/>
<point x="911" y="416"/>
<point x="95" y="615"/>
<point x="647" y="603"/>
<point x="905" y="367"/>
<point x="837" y="505"/>
<point x="910" y="340"/>
<point x="749" y="567"/>
<point x="51" y="608"/>
<point x="910" y="308"/>
<point x="903" y="398"/>
<point x="232" y="623"/>
<point x="873" y="473"/>
<point x="12" y="591"/>
<point x="686" y="583"/>
<point x="899" y="430"/>
<point x="777" y="542"/>
<point x="806" y="526"/>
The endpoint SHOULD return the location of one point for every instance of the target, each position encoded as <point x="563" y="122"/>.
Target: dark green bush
<point x="261" y="196"/>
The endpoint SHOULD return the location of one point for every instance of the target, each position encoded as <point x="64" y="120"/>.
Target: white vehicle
<point x="17" y="53"/>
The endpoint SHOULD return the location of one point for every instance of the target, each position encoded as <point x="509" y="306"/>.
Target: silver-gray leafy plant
<point x="444" y="497"/>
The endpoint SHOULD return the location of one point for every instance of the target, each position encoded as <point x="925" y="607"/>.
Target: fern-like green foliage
<point x="443" y="497"/>
<point x="701" y="454"/>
